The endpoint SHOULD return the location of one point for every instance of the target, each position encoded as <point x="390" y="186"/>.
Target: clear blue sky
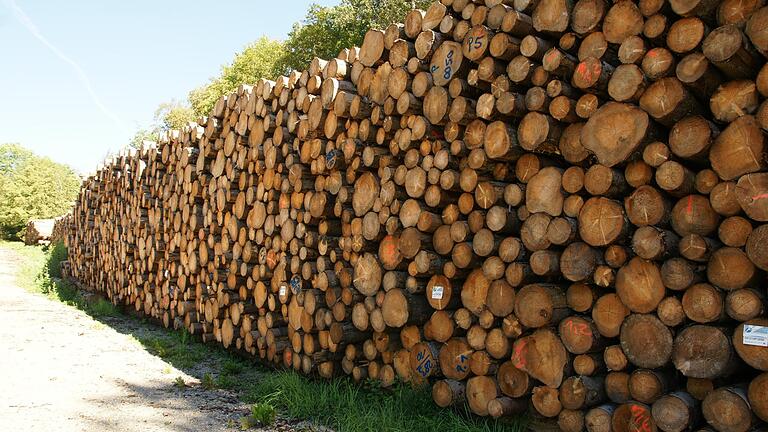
<point x="133" y="54"/>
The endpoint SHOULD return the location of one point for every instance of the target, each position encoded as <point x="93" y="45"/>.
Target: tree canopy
<point x="32" y="187"/>
<point x="11" y="156"/>
<point x="327" y="30"/>
<point x="258" y="59"/>
<point x="168" y="115"/>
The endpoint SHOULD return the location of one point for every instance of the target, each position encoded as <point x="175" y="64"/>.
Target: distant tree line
<point x="323" y="32"/>
<point x="32" y="187"/>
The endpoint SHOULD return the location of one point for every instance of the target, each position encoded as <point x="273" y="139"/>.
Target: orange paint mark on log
<point x="579" y="329"/>
<point x="389" y="246"/>
<point x="518" y="356"/>
<point x="640" y="418"/>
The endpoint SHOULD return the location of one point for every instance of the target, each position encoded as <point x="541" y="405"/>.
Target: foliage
<point x="32" y="187"/>
<point x="142" y="135"/>
<point x="173" y="115"/>
<point x="179" y="382"/>
<point x="168" y="115"/>
<point x="102" y="308"/>
<point x="207" y="381"/>
<point x="257" y="60"/>
<point x="12" y="156"/>
<point x="176" y="348"/>
<point x="34" y="260"/>
<point x="344" y="405"/>
<point x="325" y="31"/>
<point x="262" y="414"/>
<point x="57" y="253"/>
<point x="231" y="367"/>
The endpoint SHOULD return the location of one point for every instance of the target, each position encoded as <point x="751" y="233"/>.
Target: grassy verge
<point x="347" y="406"/>
<point x="339" y="404"/>
<point x="40" y="272"/>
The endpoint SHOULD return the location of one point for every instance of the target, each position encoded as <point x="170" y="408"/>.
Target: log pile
<point x="38" y="231"/>
<point x="60" y="229"/>
<point x="547" y="205"/>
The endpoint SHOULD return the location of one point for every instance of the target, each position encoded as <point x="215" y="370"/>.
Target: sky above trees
<point x="82" y="77"/>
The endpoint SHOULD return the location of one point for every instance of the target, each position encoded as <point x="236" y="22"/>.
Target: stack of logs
<point x="60" y="229"/>
<point x="38" y="231"/>
<point x="525" y="203"/>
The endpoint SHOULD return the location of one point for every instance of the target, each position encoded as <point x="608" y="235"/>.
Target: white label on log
<point x="282" y="291"/>
<point x="755" y="335"/>
<point x="437" y="292"/>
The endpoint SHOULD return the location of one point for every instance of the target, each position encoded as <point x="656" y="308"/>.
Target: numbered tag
<point x="445" y="62"/>
<point x="282" y="290"/>
<point x="755" y="335"/>
<point x="476" y="43"/>
<point x="437" y="292"/>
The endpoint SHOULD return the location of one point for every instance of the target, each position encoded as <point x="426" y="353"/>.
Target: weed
<point x="183" y="335"/>
<point x="262" y="414"/>
<point x="225" y="381"/>
<point x="179" y="382"/>
<point x="169" y="349"/>
<point x="103" y="308"/>
<point x="344" y="405"/>
<point x="208" y="382"/>
<point x="231" y="367"/>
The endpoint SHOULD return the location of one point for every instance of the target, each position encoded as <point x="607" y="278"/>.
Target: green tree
<point x="325" y="31"/>
<point x="33" y="187"/>
<point x="142" y="135"/>
<point x="257" y="60"/>
<point x="173" y="115"/>
<point x="11" y="156"/>
<point x="168" y="115"/>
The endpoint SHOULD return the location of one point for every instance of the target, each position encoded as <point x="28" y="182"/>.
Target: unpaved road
<point x="64" y="371"/>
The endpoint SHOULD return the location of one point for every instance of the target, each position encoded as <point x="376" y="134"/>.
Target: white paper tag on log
<point x="755" y="335"/>
<point x="282" y="290"/>
<point x="437" y="292"/>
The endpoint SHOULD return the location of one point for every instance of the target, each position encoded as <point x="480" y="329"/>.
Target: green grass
<point x="177" y="348"/>
<point x="179" y="382"/>
<point x="340" y="404"/>
<point x="32" y="264"/>
<point x="40" y="272"/>
<point x="262" y="414"/>
<point x="346" y="406"/>
<point x="207" y="381"/>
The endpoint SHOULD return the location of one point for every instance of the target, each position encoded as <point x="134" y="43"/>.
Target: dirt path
<point x="64" y="371"/>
